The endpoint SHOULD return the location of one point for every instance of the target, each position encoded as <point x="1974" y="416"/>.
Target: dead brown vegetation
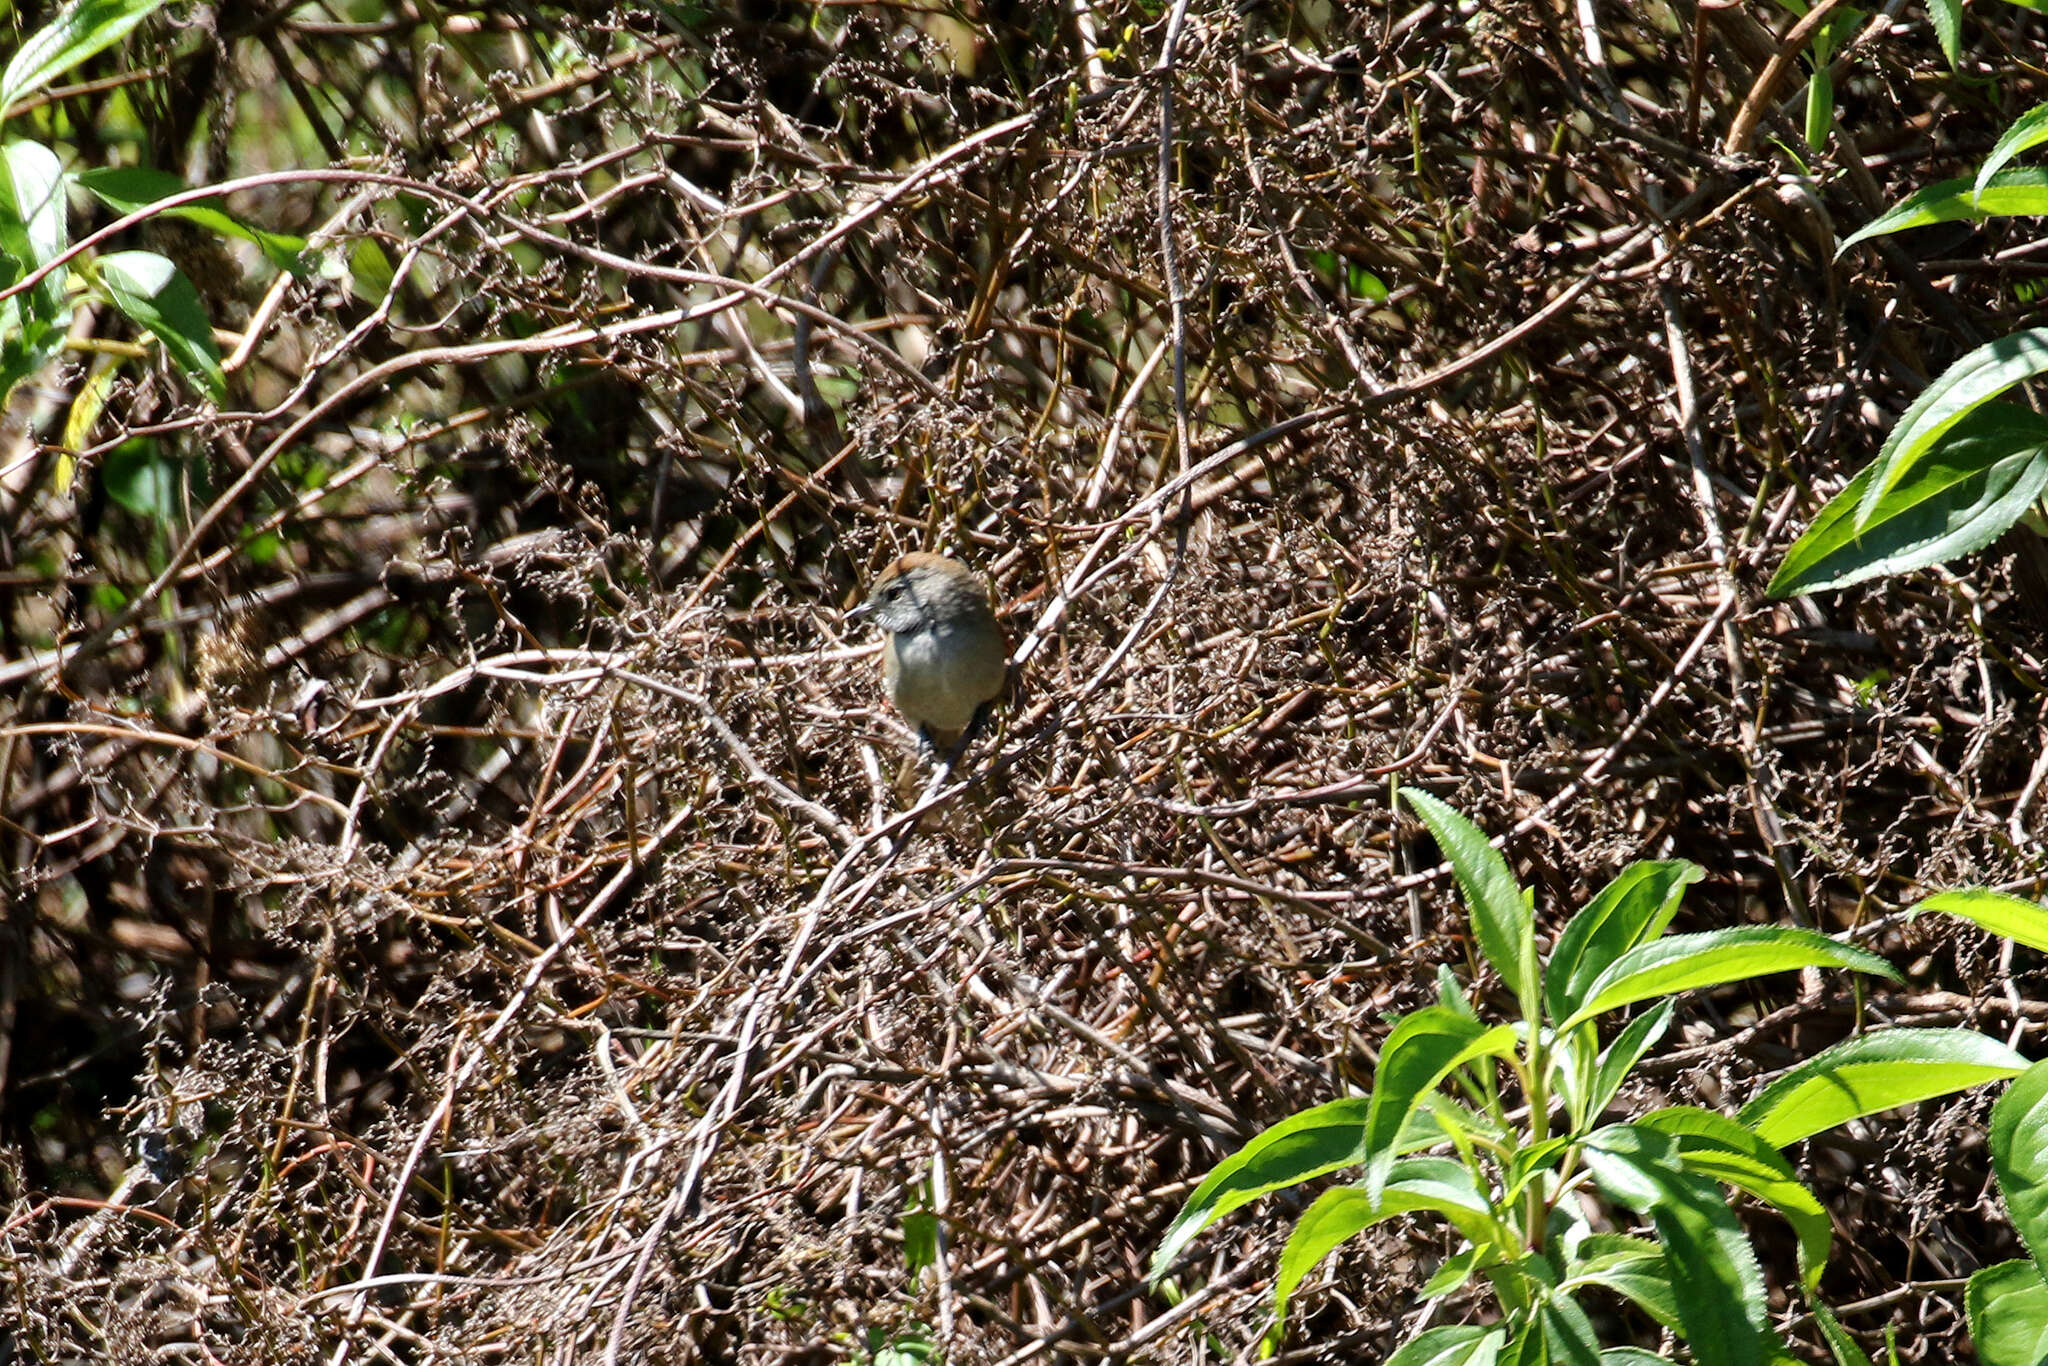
<point x="461" y="903"/>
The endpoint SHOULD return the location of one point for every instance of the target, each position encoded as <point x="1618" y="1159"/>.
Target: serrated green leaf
<point x="80" y="30"/>
<point x="1873" y="1073"/>
<point x="1686" y="962"/>
<point x="129" y="188"/>
<point x="1631" y="1268"/>
<point x="156" y="294"/>
<point x="1501" y="921"/>
<point x="1964" y="492"/>
<point x="1632" y="909"/>
<point x="1452" y="1345"/>
<point x="1455" y="1122"/>
<point x="2007" y="1307"/>
<point x="1623" y="1054"/>
<point x="1425" y="1047"/>
<point x="1723" y="1312"/>
<point x="1947" y="16"/>
<point x="1840" y="1344"/>
<point x="1450" y="993"/>
<point x="1716" y="1147"/>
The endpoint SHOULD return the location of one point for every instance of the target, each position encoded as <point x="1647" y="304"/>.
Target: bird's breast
<point x="939" y="677"/>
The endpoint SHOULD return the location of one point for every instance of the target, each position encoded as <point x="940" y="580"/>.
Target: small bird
<point x="945" y="658"/>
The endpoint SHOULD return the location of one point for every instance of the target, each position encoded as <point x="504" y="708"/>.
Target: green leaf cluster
<point x="34" y="240"/>
<point x="2007" y="1304"/>
<point x="1960" y="468"/>
<point x="1502" y="1131"/>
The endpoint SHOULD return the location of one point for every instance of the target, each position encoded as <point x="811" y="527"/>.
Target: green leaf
<point x="2028" y="130"/>
<point x="1684" y="962"/>
<point x="1962" y="494"/>
<point x="1872" y="1073"/>
<point x="26" y="345"/>
<point x="1500" y="912"/>
<point x="1631" y="1268"/>
<point x="1423" y="1049"/>
<point x="156" y="294"/>
<point x="2009" y="916"/>
<point x="2019" y="1154"/>
<point x="1984" y="373"/>
<point x="33" y="325"/>
<point x="1445" y="1186"/>
<point x="1820" y="107"/>
<point x="1630" y="1356"/>
<point x="1532" y="1161"/>
<point x="1948" y="28"/>
<point x="1453" y="1274"/>
<point x="1567" y="1333"/>
<point x="1519" y="1282"/>
<point x="1527" y="1349"/>
<point x="1723" y="1312"/>
<point x="1453" y="1345"/>
<point x="2020" y="192"/>
<point x="129" y="188"/>
<point x="371" y="274"/>
<point x="920" y="1233"/>
<point x="1843" y="1347"/>
<point x="1299" y="1148"/>
<point x="2008" y="1309"/>
<point x="80" y="30"/>
<point x="1450" y="993"/>
<point x="1716" y="1147"/>
<point x="1623" y="1054"/>
<point x="1455" y="1122"/>
<point x="1632" y="909"/>
<point x="264" y="548"/>
<point x="1978" y="376"/>
<point x="912" y="1347"/>
<point x="33" y="213"/>
<point x="140" y="478"/>
<point x="1420" y="1185"/>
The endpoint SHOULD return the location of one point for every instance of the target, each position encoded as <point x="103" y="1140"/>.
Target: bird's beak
<point x="865" y="609"/>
